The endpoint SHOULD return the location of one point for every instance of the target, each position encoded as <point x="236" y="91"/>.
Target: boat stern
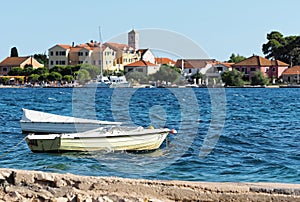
<point x="43" y="143"/>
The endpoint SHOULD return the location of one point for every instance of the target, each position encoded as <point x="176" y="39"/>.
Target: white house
<point x="141" y="66"/>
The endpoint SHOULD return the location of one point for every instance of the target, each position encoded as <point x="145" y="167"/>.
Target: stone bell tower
<point x="133" y="39"/>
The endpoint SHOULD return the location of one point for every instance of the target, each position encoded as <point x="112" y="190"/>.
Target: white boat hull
<point x="134" y="140"/>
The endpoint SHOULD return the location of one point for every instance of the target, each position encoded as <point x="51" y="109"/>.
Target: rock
<point x="18" y="185"/>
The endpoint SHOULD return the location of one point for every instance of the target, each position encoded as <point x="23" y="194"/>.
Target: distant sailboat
<point x="102" y="81"/>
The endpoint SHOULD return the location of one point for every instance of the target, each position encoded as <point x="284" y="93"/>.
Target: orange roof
<point x="116" y="46"/>
<point x="13" y="61"/>
<point x="295" y="70"/>
<point x="256" y="60"/>
<point x="164" y="61"/>
<point x="64" y="46"/>
<point x="140" y="63"/>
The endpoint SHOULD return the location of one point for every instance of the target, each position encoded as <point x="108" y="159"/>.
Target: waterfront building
<point x="10" y="62"/>
<point x="291" y="75"/>
<point x="142" y="66"/>
<point x="273" y="69"/>
<point x="113" y="55"/>
<point x="146" y="55"/>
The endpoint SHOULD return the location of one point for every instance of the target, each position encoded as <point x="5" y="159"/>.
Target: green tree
<point x="16" y="71"/>
<point x="28" y="70"/>
<point x="40" y="71"/>
<point x="14" y="52"/>
<point x="236" y="58"/>
<point x="41" y="58"/>
<point x="54" y="76"/>
<point x="137" y="76"/>
<point x="233" y="78"/>
<point x="33" y="78"/>
<point x="44" y="77"/>
<point x="259" y="79"/>
<point x="93" y="70"/>
<point x="68" y="78"/>
<point x="285" y="49"/>
<point x="83" y="76"/>
<point x="5" y="80"/>
<point x="166" y="73"/>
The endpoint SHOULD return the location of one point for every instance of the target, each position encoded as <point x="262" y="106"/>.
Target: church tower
<point x="133" y="39"/>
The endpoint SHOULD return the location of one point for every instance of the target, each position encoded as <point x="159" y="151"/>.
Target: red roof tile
<point x="260" y="61"/>
<point x="64" y="46"/>
<point x="13" y="61"/>
<point x="140" y="63"/>
<point x="295" y="70"/>
<point x="164" y="61"/>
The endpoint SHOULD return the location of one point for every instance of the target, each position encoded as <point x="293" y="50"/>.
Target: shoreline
<point x="22" y="185"/>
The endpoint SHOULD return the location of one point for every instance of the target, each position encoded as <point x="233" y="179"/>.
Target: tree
<point x="28" y="70"/>
<point x="285" y="49"/>
<point x="44" y="77"/>
<point x="40" y="71"/>
<point x="166" y="73"/>
<point x="236" y="58"/>
<point x="41" y="58"/>
<point x="232" y="78"/>
<point x="5" y="80"/>
<point x="16" y="71"/>
<point x="137" y="76"/>
<point x="68" y="78"/>
<point x="259" y="79"/>
<point x="93" y="70"/>
<point x="14" y="52"/>
<point x="33" y="77"/>
<point x="83" y="76"/>
<point x="54" y="76"/>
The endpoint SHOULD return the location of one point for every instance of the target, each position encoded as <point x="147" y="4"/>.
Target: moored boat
<point x="114" y="138"/>
<point x="40" y="122"/>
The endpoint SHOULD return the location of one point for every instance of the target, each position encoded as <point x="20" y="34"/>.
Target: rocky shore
<point x="20" y="185"/>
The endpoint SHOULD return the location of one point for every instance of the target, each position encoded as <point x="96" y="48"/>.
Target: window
<point x="51" y="53"/>
<point x="4" y="69"/>
<point x="273" y="69"/>
<point x="140" y="70"/>
<point x="86" y="53"/>
<point x="252" y="69"/>
<point x="190" y="70"/>
<point x="80" y="53"/>
<point x="267" y="69"/>
<point x="56" y="53"/>
<point x="51" y="62"/>
<point x="63" y="62"/>
<point x="80" y="62"/>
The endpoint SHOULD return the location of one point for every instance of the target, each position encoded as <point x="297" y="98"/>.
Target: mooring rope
<point x="13" y="148"/>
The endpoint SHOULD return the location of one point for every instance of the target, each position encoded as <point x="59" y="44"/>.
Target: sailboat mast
<point x="101" y="55"/>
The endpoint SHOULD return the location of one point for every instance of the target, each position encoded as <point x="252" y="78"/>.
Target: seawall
<point x="21" y="185"/>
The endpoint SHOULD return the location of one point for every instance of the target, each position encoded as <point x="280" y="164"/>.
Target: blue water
<point x="259" y="140"/>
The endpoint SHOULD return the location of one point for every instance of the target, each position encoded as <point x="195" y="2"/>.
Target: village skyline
<point x="219" y="28"/>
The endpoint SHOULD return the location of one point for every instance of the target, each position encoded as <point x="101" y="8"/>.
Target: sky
<point x="218" y="27"/>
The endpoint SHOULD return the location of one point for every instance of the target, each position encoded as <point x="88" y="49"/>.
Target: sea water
<point x="247" y="134"/>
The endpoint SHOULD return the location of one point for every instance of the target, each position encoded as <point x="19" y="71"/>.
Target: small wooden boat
<point x="111" y="139"/>
<point x="40" y="122"/>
